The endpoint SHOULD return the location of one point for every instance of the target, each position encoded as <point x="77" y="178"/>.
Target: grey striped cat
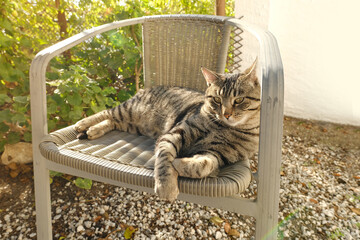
<point x="196" y="133"/>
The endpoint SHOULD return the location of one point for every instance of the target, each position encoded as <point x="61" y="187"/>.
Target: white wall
<point x="319" y="42"/>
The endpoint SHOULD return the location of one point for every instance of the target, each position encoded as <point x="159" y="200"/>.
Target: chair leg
<point x="266" y="226"/>
<point x="42" y="200"/>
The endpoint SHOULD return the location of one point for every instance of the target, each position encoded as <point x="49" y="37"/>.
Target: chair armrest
<point x="38" y="73"/>
<point x="271" y="116"/>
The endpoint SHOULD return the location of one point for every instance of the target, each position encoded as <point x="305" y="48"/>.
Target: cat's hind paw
<point x="95" y="132"/>
<point x="81" y="125"/>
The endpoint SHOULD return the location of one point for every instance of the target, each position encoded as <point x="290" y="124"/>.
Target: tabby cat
<point x="196" y="133"/>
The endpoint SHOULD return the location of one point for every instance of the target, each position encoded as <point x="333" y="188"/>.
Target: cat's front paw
<point x="167" y="187"/>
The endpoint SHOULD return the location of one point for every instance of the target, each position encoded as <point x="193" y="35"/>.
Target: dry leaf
<point x="65" y="207"/>
<point x="233" y="232"/>
<point x="336" y="208"/>
<point x="11" y="85"/>
<point x="13" y="166"/>
<point x="356" y="210"/>
<point x="227" y="227"/>
<point x="317" y="160"/>
<point x="15" y="173"/>
<point x="25" y="168"/>
<point x="216" y="220"/>
<point x="67" y="177"/>
<point x="123" y="226"/>
<point x="97" y="218"/>
<point x="89" y="232"/>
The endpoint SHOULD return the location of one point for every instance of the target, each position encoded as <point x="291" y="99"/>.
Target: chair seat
<point x="129" y="158"/>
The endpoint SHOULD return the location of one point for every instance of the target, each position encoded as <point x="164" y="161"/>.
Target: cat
<point x="195" y="133"/>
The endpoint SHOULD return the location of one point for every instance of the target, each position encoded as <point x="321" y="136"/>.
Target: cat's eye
<point x="239" y="100"/>
<point x="217" y="100"/>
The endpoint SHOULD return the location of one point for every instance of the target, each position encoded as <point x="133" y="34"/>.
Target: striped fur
<point x="196" y="133"/>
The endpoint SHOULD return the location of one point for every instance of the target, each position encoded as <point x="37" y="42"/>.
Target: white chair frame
<point x="266" y="205"/>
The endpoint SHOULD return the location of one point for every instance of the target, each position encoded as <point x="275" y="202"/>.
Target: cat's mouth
<point x="232" y="120"/>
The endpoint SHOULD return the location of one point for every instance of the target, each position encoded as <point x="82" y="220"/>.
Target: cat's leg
<point x="166" y="149"/>
<point x="198" y="166"/>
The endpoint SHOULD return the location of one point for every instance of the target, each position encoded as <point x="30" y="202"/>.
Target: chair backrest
<point x="172" y="46"/>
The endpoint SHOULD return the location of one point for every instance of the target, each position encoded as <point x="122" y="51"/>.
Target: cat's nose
<point x="227" y="115"/>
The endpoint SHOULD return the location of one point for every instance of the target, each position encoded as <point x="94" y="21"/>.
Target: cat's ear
<point x="210" y="76"/>
<point x="250" y="73"/>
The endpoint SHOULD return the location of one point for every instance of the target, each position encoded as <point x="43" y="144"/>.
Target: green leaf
<point x="6" y="41"/>
<point x="57" y="98"/>
<point x="87" y="98"/>
<point x="109" y="90"/>
<point x="52" y="108"/>
<point x="25" y="42"/>
<point x="13" y="137"/>
<point x="4" y="98"/>
<point x="124" y="95"/>
<point x="51" y="124"/>
<point x="96" y="108"/>
<point x="100" y="99"/>
<point x="20" y="108"/>
<point x="21" y="99"/>
<point x="96" y="89"/>
<point x="74" y="99"/>
<point x="5" y="115"/>
<point x="2" y="144"/>
<point x="18" y="118"/>
<point x="83" y="183"/>
<point x="4" y="128"/>
<point x="64" y="111"/>
<point x="52" y="75"/>
<point x="6" y="24"/>
<point x="76" y="113"/>
<point x="55" y="174"/>
<point x="129" y="231"/>
<point x="27" y="136"/>
<point x="216" y="220"/>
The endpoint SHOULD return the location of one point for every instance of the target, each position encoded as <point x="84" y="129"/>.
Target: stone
<point x="20" y="153"/>
<point x="80" y="228"/>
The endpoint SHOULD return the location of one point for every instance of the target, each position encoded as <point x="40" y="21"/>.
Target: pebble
<point x="88" y="224"/>
<point x="80" y="228"/>
<point x="218" y="235"/>
<point x="7" y="218"/>
<point x="314" y="204"/>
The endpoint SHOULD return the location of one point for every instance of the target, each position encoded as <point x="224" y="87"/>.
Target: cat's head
<point x="233" y="98"/>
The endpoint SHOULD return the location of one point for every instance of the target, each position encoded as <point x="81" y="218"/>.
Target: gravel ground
<point x="319" y="199"/>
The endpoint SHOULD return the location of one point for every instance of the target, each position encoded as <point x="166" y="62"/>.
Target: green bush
<point x="92" y="76"/>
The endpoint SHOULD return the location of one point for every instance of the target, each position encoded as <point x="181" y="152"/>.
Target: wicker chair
<point x="174" y="48"/>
